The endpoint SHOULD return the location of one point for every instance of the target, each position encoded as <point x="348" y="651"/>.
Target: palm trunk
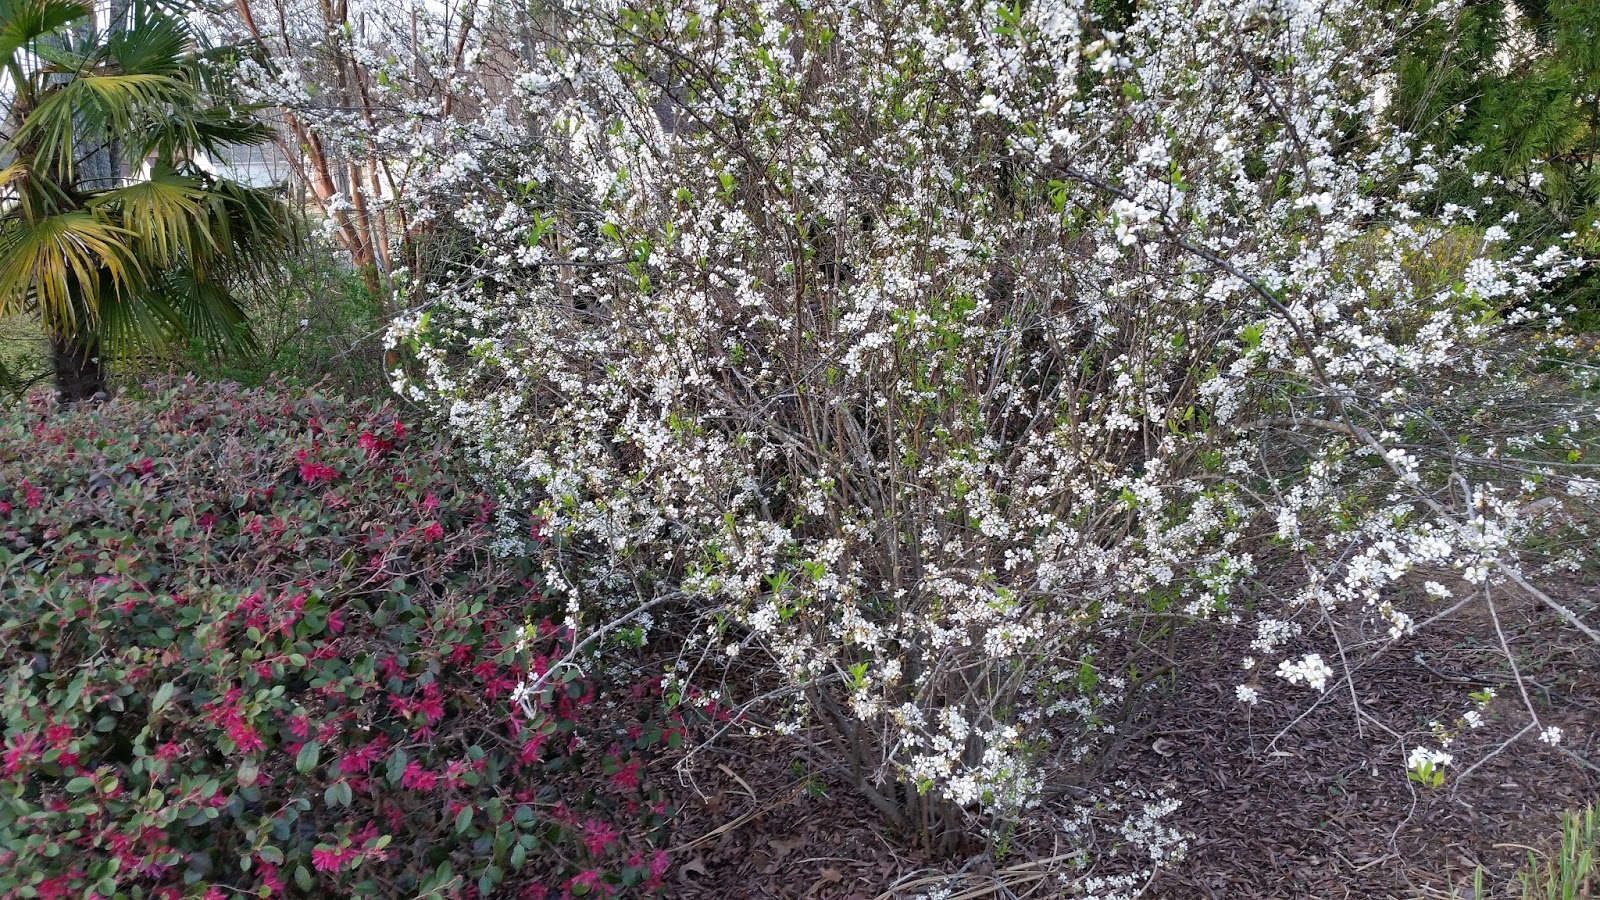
<point x="76" y="358"/>
<point x="79" y="375"/>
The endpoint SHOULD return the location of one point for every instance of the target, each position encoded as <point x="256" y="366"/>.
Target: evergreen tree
<point x="1519" y="86"/>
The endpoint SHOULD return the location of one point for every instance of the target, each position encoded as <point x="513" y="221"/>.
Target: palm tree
<point x="111" y="264"/>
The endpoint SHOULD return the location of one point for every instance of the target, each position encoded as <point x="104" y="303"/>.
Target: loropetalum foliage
<point x="252" y="644"/>
<point x="900" y="360"/>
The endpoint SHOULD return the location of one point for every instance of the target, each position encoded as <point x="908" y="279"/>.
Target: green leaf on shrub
<point x="463" y="819"/>
<point x="302" y="877"/>
<point x="306" y="760"/>
<point x="163" y="696"/>
<point x="1252" y="335"/>
<point x="397" y="766"/>
<point x="444" y="876"/>
<point x="75" y="690"/>
<point x="79" y="785"/>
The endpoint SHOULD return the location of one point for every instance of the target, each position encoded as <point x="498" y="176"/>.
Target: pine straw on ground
<point x="1323" y="811"/>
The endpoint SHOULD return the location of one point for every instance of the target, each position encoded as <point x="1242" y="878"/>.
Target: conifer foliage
<point x="1516" y="88"/>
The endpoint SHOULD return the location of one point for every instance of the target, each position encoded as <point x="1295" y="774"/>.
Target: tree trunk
<point x="76" y="358"/>
<point x="78" y="372"/>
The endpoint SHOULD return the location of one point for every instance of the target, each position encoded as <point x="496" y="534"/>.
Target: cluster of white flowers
<point x="1147" y="831"/>
<point x="1309" y="669"/>
<point x="1425" y="759"/>
<point x="921" y="351"/>
<point x="1133" y="817"/>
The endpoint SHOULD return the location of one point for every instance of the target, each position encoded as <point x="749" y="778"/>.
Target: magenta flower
<point x="245" y="737"/>
<point x="417" y="778"/>
<point x="627" y="777"/>
<point x="598" y="837"/>
<point x="327" y="859"/>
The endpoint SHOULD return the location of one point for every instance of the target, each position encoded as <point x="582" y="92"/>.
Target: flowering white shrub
<point x="902" y="360"/>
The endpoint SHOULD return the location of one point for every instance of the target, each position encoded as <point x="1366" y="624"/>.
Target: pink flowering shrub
<point x="254" y="643"/>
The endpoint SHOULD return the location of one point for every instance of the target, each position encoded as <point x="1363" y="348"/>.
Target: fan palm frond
<point x="23" y="193"/>
<point x="58" y="263"/>
<point x="254" y="224"/>
<point x="210" y="130"/>
<point x="150" y="44"/>
<point x="96" y="104"/>
<point x="130" y="322"/>
<point x="24" y="22"/>
<point x="164" y="211"/>
<point x="207" y="312"/>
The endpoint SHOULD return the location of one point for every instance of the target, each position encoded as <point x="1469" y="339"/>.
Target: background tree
<point x="350" y="84"/>
<point x="1517" y="86"/>
<point x="112" y="264"/>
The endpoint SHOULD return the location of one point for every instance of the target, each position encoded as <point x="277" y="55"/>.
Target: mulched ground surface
<point x="756" y="825"/>
<point x="1324" y="811"/>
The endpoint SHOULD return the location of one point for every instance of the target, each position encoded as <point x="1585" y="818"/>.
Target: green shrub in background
<point x="314" y="322"/>
<point x="24" y="355"/>
<point x="252" y="643"/>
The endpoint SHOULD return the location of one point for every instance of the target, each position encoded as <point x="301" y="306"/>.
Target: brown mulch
<point x="757" y="825"/>
<point x="1325" y="811"/>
